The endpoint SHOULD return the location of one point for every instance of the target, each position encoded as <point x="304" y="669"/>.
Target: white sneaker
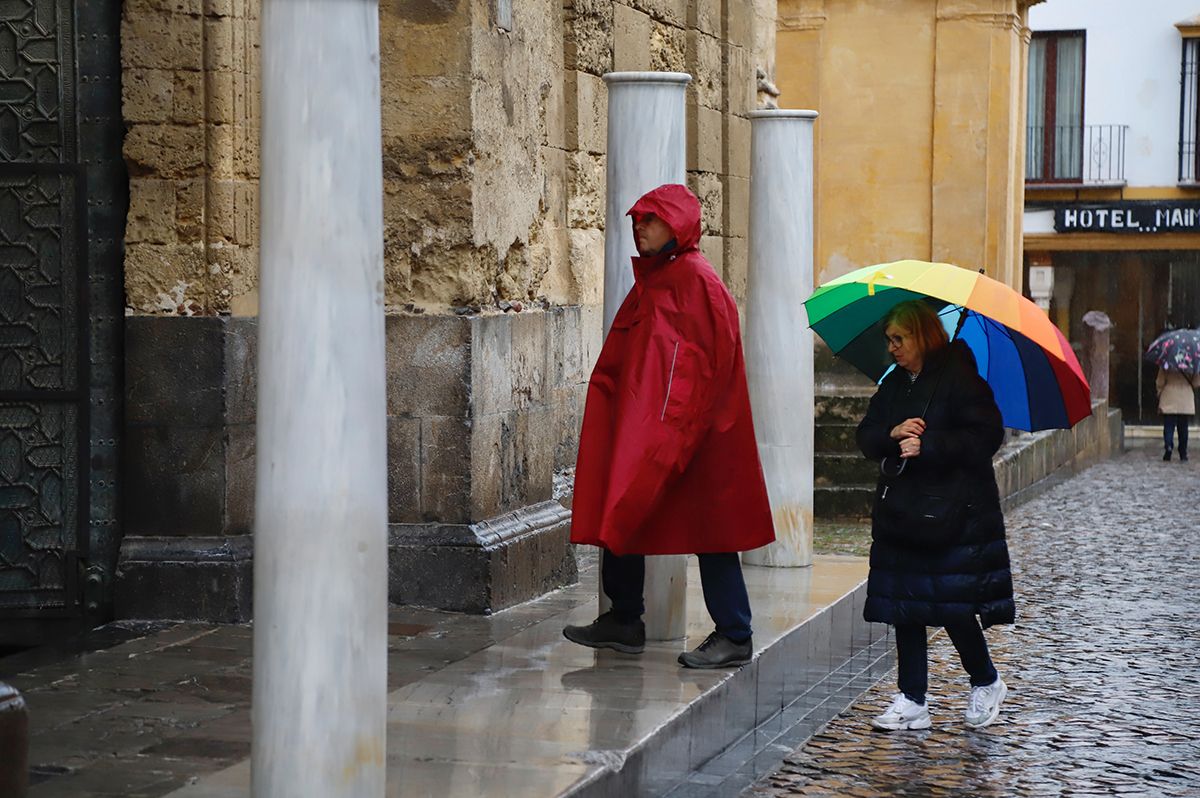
<point x="983" y="707"/>
<point x="904" y="713"/>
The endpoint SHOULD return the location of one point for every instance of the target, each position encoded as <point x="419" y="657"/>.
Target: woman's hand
<point x="910" y="447"/>
<point x="909" y="428"/>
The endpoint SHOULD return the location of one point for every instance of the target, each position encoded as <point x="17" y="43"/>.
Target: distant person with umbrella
<point x="1177" y="355"/>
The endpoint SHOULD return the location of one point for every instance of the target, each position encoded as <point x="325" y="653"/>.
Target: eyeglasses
<point x="895" y="340"/>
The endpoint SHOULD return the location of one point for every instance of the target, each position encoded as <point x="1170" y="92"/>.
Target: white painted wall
<point x="1131" y="74"/>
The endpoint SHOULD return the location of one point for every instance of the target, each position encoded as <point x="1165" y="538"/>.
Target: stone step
<point x="841" y="408"/>
<point x="834" y="375"/>
<point x="843" y="501"/>
<point x="719" y="743"/>
<point x="835" y="438"/>
<point x="834" y="470"/>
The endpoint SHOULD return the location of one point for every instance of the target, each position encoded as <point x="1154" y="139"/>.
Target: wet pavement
<point x="1103" y="665"/>
<point x="497" y="705"/>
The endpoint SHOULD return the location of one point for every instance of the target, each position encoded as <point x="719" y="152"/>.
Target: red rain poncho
<point x="667" y="462"/>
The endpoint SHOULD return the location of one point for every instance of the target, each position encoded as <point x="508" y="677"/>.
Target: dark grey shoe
<point x="608" y="632"/>
<point x="718" y="651"/>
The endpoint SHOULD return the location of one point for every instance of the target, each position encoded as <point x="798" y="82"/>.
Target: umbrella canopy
<point x="1177" y="350"/>
<point x="1034" y="375"/>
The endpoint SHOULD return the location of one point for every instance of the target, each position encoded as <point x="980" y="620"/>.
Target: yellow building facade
<point x="920" y="146"/>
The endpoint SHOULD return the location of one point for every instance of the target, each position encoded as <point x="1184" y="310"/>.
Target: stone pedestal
<point x="188" y="468"/>
<point x="778" y="342"/>
<point x="1096" y="328"/>
<point x="482" y="410"/>
<point x="647" y="134"/>
<point x="320" y="565"/>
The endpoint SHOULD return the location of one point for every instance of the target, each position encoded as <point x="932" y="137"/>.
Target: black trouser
<point x="1172" y="421"/>
<point x="624" y="580"/>
<point x="912" y="663"/>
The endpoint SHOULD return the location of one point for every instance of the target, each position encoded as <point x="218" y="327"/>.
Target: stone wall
<point x="494" y="140"/>
<point x="494" y="144"/>
<point x="190" y="96"/>
<point x="721" y="46"/>
<point x="495" y="184"/>
<point x="1029" y="463"/>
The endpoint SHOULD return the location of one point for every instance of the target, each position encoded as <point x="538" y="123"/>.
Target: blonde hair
<point x="919" y="319"/>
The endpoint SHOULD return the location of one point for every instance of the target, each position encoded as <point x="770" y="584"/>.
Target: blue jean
<point x="624" y="581"/>
<point x="1171" y="422"/>
<point x="912" y="661"/>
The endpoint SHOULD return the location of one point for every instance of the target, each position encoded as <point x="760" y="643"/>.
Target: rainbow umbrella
<point x="1034" y="375"/>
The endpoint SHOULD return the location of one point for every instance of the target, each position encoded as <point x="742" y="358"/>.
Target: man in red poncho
<point x="668" y="463"/>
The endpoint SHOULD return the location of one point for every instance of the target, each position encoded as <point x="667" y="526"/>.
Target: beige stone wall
<point x="428" y="158"/>
<point x="519" y="214"/>
<point x="720" y="45"/>
<point x="920" y="143"/>
<point x="190" y="102"/>
<point x="493" y="144"/>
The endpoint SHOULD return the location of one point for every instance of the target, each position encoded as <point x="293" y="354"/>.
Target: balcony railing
<point x="1075" y="154"/>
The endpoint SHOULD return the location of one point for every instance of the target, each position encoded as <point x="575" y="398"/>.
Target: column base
<point x="196" y="578"/>
<point x="485" y="566"/>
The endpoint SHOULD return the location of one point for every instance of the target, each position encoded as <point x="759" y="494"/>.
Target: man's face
<point x="651" y="234"/>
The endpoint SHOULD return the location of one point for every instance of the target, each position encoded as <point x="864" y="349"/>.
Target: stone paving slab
<point x="1103" y="665"/>
<point x="479" y="705"/>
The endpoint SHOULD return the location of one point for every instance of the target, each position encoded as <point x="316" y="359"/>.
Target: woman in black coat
<point x="938" y="552"/>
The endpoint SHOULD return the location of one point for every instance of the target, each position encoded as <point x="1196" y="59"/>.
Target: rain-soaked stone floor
<point x="1103" y="665"/>
<point x="498" y="705"/>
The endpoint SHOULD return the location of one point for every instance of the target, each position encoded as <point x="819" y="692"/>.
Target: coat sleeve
<point x="874" y="434"/>
<point x="976" y="429"/>
<point x="685" y="364"/>
<point x="1160" y="382"/>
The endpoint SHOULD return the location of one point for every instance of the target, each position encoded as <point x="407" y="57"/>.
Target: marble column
<point x="779" y="345"/>
<point x="647" y="139"/>
<point x="320" y="548"/>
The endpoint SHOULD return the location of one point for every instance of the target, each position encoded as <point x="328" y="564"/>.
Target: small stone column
<point x="647" y="134"/>
<point x="320" y="542"/>
<point x="14" y="743"/>
<point x="779" y="344"/>
<point x="1096" y="327"/>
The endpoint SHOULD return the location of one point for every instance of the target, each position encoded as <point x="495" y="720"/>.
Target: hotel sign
<point x="1129" y="217"/>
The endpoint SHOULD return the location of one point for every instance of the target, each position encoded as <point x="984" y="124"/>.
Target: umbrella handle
<point x="899" y="469"/>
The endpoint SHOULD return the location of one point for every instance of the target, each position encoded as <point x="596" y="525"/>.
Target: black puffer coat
<point x="962" y="571"/>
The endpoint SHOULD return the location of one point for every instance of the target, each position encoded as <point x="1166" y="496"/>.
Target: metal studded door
<point x="63" y="198"/>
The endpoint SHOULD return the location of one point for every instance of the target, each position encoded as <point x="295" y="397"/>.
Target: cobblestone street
<point x="1103" y="665"/>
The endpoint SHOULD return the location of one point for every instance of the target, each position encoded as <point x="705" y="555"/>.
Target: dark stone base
<point x="482" y="567"/>
<point x="207" y="579"/>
